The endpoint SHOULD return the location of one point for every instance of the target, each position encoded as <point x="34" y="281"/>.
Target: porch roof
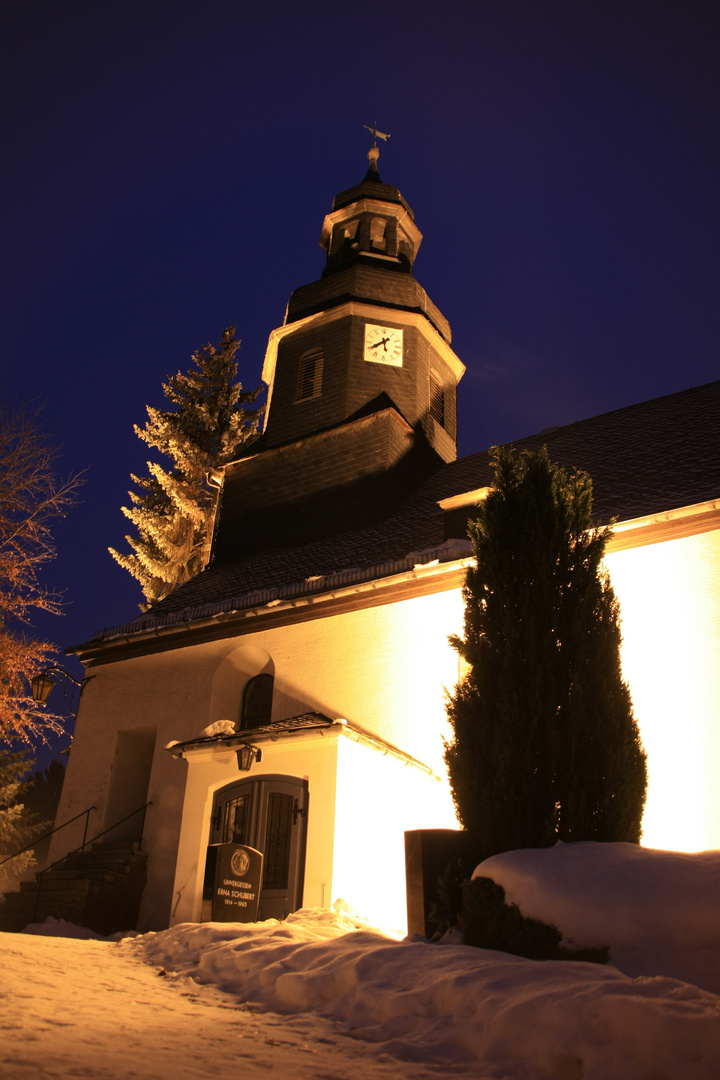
<point x="303" y="724"/>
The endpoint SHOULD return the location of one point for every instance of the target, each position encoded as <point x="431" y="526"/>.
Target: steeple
<point x="365" y="328"/>
<point x="370" y="221"/>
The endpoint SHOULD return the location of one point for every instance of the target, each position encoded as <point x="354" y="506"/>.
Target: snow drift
<point x="499" y="1015"/>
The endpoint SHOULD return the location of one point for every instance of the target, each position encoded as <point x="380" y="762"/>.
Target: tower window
<point x="378" y="238"/>
<point x="437" y="400"/>
<point x="256" y="708"/>
<point x="310" y="375"/>
<point x="345" y="235"/>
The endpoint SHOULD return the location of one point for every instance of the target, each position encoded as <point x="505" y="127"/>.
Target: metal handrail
<point x="40" y="875"/>
<point x="52" y="832"/>
<point x="110" y="828"/>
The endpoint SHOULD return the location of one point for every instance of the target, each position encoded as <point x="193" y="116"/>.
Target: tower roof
<point x="371" y="187"/>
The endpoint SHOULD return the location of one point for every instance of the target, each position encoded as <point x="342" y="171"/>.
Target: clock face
<point x="383" y="345"/>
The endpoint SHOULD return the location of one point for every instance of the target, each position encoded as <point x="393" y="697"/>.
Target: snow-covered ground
<point x="322" y="995"/>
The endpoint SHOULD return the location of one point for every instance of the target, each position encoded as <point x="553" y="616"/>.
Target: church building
<point x="291" y="696"/>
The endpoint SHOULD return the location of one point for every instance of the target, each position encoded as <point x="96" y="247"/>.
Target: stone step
<point x="31" y="909"/>
<point x="82" y="864"/>
<point x="67" y="901"/>
<point x="49" y="881"/>
<point x="75" y="896"/>
<point x="12" y="899"/>
<point x="99" y="888"/>
<point x="85" y="873"/>
<point x="124" y="846"/>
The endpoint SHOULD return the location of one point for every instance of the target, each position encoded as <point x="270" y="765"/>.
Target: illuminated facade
<point x="319" y="633"/>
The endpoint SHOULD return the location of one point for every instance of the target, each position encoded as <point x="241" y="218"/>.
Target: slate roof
<point x="643" y="459"/>
<point x="372" y="187"/>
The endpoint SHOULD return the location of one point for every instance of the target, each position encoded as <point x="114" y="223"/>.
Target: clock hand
<point x="381" y="342"/>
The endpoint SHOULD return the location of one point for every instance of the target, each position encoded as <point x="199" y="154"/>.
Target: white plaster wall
<point x="360" y="802"/>
<point x="385" y="669"/>
<point x="382" y="668"/>
<point x="240" y="665"/>
<point x="670" y="607"/>
<point x="378" y="798"/>
<point x="310" y="757"/>
<point x="169" y="692"/>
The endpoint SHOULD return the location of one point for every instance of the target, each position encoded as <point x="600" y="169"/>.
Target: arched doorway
<point x="269" y="814"/>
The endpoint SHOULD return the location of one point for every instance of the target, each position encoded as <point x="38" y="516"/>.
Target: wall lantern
<point x="43" y="683"/>
<point x="41" y="687"/>
<point x="246" y="755"/>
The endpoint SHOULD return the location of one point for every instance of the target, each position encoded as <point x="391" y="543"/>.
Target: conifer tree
<point x="41" y="797"/>
<point x="42" y="791"/>
<point x="545" y="746"/>
<point x="17" y="827"/>
<point x="173" y="509"/>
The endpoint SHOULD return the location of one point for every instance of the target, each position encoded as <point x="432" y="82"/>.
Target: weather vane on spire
<point x="376" y="134"/>
<point x="373" y="152"/>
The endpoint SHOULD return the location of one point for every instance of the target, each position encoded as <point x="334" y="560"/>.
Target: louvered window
<point x="345" y="235"/>
<point x="378" y="238"/>
<point x="310" y="375"/>
<point x="437" y="400"/>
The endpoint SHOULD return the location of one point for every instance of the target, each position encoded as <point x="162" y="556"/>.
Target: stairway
<point x="99" y="888"/>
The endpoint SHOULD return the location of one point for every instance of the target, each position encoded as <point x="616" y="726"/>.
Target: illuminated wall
<point x="312" y="757"/>
<point x="384" y="669"/>
<point x="360" y="801"/>
<point x="669" y="597"/>
<point x="378" y="798"/>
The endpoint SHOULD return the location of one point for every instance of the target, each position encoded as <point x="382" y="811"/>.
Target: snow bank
<point x="59" y="928"/>
<point x="657" y="910"/>
<point x="453" y="1005"/>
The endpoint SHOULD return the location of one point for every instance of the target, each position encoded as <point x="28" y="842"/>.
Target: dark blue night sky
<point x="168" y="164"/>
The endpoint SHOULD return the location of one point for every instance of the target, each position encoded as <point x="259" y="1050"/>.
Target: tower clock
<point x="383" y="345"/>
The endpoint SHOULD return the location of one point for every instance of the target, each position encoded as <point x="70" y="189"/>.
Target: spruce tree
<point x="17" y="827"/>
<point x="173" y="509"/>
<point x="545" y="745"/>
<point x="43" y="789"/>
<point x="41" y="798"/>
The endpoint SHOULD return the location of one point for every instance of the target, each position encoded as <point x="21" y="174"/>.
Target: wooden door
<point x="269" y="814"/>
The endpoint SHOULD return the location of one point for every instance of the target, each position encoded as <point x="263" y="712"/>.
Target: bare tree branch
<point x="32" y="498"/>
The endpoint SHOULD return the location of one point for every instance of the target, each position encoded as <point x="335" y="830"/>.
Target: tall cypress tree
<point x="174" y="508"/>
<point x="545" y="746"/>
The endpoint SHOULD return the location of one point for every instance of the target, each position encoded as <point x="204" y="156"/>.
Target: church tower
<point x="362" y="386"/>
<point x="366" y="328"/>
